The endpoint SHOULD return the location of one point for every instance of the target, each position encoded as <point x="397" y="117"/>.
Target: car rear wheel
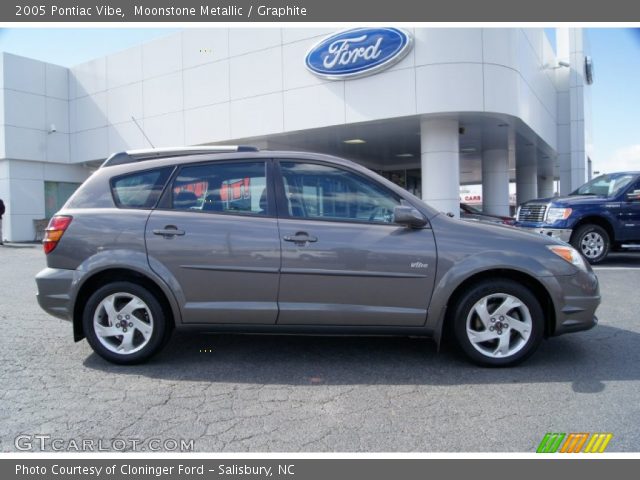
<point x="124" y="323"/>
<point x="592" y="241"/>
<point x="498" y="323"/>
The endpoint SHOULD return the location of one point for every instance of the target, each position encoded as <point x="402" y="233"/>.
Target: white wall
<point x="519" y="79"/>
<point x="34" y="95"/>
<point x="22" y="190"/>
<point x="574" y="104"/>
<point x="211" y="85"/>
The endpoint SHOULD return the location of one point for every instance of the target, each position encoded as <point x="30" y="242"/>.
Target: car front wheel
<point x="498" y="323"/>
<point x="124" y="323"/>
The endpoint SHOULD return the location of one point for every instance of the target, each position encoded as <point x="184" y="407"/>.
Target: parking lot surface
<point x="241" y="393"/>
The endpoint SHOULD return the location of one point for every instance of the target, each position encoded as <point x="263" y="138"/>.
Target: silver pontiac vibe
<point x="232" y="239"/>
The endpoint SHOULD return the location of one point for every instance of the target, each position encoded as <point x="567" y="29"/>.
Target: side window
<point x="140" y="189"/>
<point x="239" y="188"/>
<point x="328" y="193"/>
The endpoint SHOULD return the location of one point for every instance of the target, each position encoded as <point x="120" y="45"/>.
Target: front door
<point x="217" y="236"/>
<point x="344" y="262"/>
<point x="630" y="218"/>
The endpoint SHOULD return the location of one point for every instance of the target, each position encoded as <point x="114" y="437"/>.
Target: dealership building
<point x="450" y="107"/>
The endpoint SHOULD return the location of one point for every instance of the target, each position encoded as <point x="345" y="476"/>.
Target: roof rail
<point x="132" y="156"/>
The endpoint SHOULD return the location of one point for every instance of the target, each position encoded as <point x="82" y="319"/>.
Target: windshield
<point x="605" y="185"/>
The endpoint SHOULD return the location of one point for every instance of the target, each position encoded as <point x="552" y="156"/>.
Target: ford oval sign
<point x="357" y="52"/>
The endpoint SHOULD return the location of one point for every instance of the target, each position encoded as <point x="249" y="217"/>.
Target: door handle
<point x="300" y="238"/>
<point x="168" y="231"/>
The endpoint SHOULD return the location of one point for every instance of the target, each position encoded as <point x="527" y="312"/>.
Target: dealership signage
<point x="358" y="52"/>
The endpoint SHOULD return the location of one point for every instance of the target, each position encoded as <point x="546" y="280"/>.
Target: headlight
<point x="569" y="254"/>
<point x="554" y="214"/>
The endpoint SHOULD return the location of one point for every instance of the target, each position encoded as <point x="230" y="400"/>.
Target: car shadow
<point x="587" y="360"/>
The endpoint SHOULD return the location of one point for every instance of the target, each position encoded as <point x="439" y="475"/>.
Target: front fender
<point x="456" y="272"/>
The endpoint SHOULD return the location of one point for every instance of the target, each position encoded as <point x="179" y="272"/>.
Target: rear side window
<point x="140" y="189"/>
<point x="236" y="188"/>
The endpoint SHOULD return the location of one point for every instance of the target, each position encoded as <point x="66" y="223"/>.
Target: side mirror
<point x="409" y="217"/>
<point x="633" y="196"/>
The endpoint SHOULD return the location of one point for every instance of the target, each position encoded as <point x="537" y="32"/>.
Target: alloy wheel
<point x="123" y="323"/>
<point x="499" y="325"/>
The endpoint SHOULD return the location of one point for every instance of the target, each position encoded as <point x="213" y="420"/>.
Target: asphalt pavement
<point x="259" y="393"/>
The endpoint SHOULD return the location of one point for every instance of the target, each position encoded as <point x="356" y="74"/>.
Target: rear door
<point x="343" y="260"/>
<point x="216" y="234"/>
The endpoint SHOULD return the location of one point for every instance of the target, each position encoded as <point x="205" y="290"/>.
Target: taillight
<point x="55" y="230"/>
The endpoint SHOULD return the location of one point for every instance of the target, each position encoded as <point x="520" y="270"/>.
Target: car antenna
<point x="145" y="135"/>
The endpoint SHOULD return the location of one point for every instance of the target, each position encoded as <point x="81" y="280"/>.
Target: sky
<point x="71" y="46"/>
<point x="615" y="92"/>
<point x="615" y="98"/>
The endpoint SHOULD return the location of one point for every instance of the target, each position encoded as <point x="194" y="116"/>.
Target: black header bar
<point x="316" y="469"/>
<point x="121" y="11"/>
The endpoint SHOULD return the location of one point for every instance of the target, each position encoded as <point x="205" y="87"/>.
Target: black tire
<point x="586" y="239"/>
<point x="496" y="292"/>
<point x="161" y="326"/>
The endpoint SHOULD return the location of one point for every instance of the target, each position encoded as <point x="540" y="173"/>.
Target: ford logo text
<point x="358" y="52"/>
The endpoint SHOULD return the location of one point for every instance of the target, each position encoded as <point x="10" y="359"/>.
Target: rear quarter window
<point x="140" y="189"/>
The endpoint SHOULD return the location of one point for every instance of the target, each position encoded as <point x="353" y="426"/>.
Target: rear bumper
<point x="54" y="286"/>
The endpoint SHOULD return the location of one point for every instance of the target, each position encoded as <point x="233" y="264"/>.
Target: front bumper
<point x="576" y="309"/>
<point x="573" y="325"/>
<point x="563" y="234"/>
<point x="54" y="286"/>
